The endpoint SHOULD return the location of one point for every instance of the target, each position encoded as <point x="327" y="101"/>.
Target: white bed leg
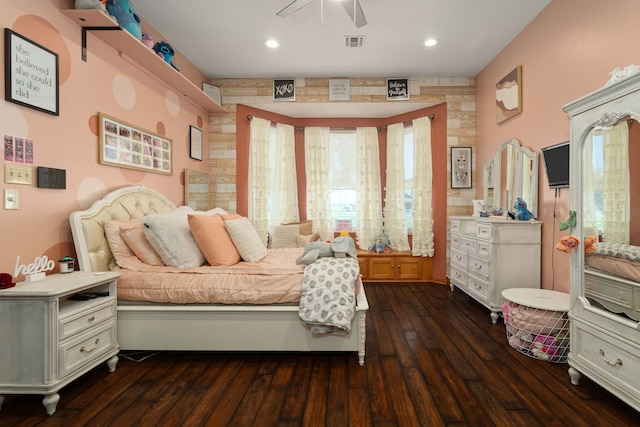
<point x="362" y="336"/>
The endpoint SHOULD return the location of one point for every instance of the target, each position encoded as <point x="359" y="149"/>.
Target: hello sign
<point x="35" y="270"/>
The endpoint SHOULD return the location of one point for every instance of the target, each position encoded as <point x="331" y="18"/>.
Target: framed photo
<point x="460" y="167"/>
<point x="127" y="146"/>
<point x="284" y="90"/>
<point x="195" y="143"/>
<point x="397" y="89"/>
<point x="509" y="95"/>
<point x="30" y="74"/>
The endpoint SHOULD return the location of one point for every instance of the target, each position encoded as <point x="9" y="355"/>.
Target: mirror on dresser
<point x="605" y="267"/>
<point x="511" y="173"/>
<point x="196" y="190"/>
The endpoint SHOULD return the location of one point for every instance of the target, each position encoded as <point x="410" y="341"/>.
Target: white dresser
<point x="54" y="330"/>
<point x="489" y="255"/>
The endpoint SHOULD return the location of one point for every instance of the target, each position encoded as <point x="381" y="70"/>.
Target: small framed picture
<point x="195" y="143"/>
<point x="460" y="167"/>
<point x="397" y="89"/>
<point x="284" y="90"/>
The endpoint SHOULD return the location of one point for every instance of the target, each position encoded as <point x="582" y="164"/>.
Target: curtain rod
<point x="430" y="116"/>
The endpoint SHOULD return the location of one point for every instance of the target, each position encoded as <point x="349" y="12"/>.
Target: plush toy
<point x="590" y="244"/>
<point x="6" y="281"/>
<point x="569" y="223"/>
<point x="92" y="4"/>
<point x="126" y="16"/>
<point x="164" y="50"/>
<point x="380" y="244"/>
<point x="522" y="213"/>
<point x="147" y="40"/>
<point x="567" y="243"/>
<point x="341" y="246"/>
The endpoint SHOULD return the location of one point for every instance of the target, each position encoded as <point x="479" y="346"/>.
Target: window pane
<point x="408" y="176"/>
<point x="342" y="179"/>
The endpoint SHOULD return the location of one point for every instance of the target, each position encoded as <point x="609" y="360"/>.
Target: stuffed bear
<point x="339" y="248"/>
<point x="380" y="244"/>
<point x="522" y="213"/>
<point x="126" y="16"/>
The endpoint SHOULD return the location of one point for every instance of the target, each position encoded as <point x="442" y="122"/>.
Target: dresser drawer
<point x="483" y="231"/>
<point x="455" y="226"/>
<point x="478" y="287"/>
<point x="80" y="322"/>
<point x="483" y="248"/>
<point x="458" y="277"/>
<point x="468" y="244"/>
<point x="455" y="240"/>
<point x="78" y="352"/>
<point x="479" y="267"/>
<point x="616" y="292"/>
<point x="611" y="358"/>
<point x="459" y="258"/>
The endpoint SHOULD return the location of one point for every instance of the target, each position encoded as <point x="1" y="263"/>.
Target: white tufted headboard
<point x="128" y="203"/>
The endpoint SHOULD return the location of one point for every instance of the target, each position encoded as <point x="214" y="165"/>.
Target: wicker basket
<point x="538" y="333"/>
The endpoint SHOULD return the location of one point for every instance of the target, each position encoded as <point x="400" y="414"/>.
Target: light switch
<point x="10" y="198"/>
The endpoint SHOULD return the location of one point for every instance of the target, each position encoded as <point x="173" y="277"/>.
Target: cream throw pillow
<point x="246" y="239"/>
<point x="118" y="246"/>
<point x="213" y="240"/>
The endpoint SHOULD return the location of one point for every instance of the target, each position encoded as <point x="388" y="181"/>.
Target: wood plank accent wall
<point x="459" y="94"/>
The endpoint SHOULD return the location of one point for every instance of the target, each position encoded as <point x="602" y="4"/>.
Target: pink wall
<point x="105" y="83"/>
<point x="565" y="53"/>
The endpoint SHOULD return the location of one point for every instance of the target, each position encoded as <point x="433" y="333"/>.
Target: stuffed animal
<point x="590" y="244"/>
<point x="92" y="4"/>
<point x="567" y="243"/>
<point x="569" y="223"/>
<point x="6" y="281"/>
<point x="164" y="50"/>
<point x="126" y="16"/>
<point x="380" y="244"/>
<point x="522" y="213"/>
<point x="147" y="40"/>
<point x="339" y="248"/>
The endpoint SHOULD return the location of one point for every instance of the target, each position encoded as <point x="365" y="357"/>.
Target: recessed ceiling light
<point x="271" y="43"/>
<point x="431" y="42"/>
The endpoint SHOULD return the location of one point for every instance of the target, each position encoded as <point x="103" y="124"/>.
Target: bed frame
<point x="150" y="326"/>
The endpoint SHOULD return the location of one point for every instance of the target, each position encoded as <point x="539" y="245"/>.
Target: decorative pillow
<point x="213" y="240"/>
<point x="284" y="236"/>
<point x="302" y="241"/>
<point x="134" y="237"/>
<point x="118" y="246"/>
<point x="306" y="228"/>
<point x="246" y="239"/>
<point x="170" y="236"/>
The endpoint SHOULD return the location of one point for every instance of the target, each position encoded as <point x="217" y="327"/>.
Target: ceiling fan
<point x="354" y="10"/>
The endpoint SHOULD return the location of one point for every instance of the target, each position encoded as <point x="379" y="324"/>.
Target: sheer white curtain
<point x="589" y="220"/>
<point x="316" y="153"/>
<point x="368" y="194"/>
<point x="284" y="187"/>
<point x="422" y="175"/>
<point x="395" y="219"/>
<point x="259" y="173"/>
<point x="615" y="143"/>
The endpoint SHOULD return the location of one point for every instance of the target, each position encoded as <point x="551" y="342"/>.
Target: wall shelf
<point x="132" y="50"/>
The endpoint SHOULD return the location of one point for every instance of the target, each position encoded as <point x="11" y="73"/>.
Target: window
<point x="342" y="179"/>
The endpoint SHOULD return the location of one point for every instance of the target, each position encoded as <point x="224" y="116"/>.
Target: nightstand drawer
<point x="82" y="321"/>
<point x="78" y="352"/>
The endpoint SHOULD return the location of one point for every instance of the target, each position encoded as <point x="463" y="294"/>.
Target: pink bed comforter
<point x="276" y="279"/>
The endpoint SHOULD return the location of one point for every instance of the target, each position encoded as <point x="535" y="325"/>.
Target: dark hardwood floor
<point x="433" y="359"/>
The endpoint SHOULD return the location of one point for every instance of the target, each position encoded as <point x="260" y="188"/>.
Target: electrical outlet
<point x="10" y="198"/>
<point x="17" y="174"/>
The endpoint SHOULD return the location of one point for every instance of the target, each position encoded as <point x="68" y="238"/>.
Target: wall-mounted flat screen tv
<point x="556" y="161"/>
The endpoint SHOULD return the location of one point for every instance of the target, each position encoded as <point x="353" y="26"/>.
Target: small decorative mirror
<point x="196" y="190"/>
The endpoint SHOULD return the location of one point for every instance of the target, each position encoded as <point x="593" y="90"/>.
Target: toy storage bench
<point x="537" y="323"/>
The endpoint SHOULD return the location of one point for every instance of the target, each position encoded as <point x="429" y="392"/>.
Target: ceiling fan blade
<point x="359" y="20"/>
<point x="293" y="7"/>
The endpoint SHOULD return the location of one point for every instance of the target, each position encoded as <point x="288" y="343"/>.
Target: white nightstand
<point x="55" y="330"/>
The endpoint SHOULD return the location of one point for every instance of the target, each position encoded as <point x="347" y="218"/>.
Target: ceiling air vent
<point x="353" y="41"/>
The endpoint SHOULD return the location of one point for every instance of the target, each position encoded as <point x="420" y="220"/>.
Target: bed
<point x="199" y="326"/>
<point x="612" y="278"/>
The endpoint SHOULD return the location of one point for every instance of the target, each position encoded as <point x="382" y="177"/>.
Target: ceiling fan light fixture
<point x="271" y="43"/>
<point x="431" y="41"/>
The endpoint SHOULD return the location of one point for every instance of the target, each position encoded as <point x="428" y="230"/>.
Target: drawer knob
<point x="609" y="362"/>
<point x="91" y="319"/>
<point x="89" y="350"/>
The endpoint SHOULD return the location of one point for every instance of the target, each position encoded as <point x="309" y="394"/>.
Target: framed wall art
<point x="460" y="167"/>
<point x="127" y="146"/>
<point x="509" y="95"/>
<point x="284" y="90"/>
<point x="397" y="89"/>
<point x="195" y="143"/>
<point x="30" y="74"/>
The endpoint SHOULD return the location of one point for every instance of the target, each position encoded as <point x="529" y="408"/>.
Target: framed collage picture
<point x="127" y="146"/>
